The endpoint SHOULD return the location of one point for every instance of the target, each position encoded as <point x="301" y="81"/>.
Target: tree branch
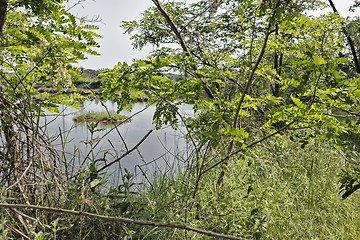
<point x="122" y="220"/>
<point x="249" y="82"/>
<point x="246" y="88"/>
<point x="242" y="150"/>
<point x="126" y="153"/>
<point x="173" y="27"/>
<point x="349" y="39"/>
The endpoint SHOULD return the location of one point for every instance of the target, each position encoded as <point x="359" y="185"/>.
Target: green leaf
<point x="94" y="183"/>
<point x="59" y="89"/>
<point x="318" y="60"/>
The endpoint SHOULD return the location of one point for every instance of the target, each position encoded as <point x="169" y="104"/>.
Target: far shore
<point x="81" y="91"/>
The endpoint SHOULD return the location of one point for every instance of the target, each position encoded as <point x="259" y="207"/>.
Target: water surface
<point x="159" y="150"/>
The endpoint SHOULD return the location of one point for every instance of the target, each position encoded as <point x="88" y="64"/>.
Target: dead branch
<point x="123" y="220"/>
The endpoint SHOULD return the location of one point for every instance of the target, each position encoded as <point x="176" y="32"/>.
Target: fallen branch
<point x="123" y="220"/>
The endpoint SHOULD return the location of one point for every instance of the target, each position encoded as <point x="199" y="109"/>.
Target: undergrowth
<point x="277" y="191"/>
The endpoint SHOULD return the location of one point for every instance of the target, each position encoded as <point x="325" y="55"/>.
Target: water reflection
<point x="158" y="150"/>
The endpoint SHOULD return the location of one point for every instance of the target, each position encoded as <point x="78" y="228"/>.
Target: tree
<point x="38" y="42"/>
<point x="254" y="69"/>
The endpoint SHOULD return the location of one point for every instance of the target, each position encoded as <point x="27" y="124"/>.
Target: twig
<point x="108" y="132"/>
<point x="122" y="220"/>
<point x="17" y="231"/>
<point x="108" y="112"/>
<point x="249" y="82"/>
<point x="126" y="153"/>
<point x="173" y="27"/>
<point x="19" y="179"/>
<point x="145" y="176"/>
<point x="346" y="158"/>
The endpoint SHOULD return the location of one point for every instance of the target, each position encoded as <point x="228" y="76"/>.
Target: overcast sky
<point x="115" y="46"/>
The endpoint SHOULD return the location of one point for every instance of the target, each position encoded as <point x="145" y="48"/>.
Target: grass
<point x="277" y="191"/>
<point x="102" y="117"/>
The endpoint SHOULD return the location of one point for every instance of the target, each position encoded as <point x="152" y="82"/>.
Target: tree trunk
<point x="3" y="11"/>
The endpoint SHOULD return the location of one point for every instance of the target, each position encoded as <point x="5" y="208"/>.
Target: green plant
<point x="55" y="228"/>
<point x="40" y="235"/>
<point x="252" y="65"/>
<point x="94" y="178"/>
<point x="3" y="230"/>
<point x="269" y="193"/>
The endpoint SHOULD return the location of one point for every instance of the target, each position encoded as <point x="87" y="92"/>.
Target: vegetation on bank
<point x="102" y="117"/>
<point x="93" y="79"/>
<point x="277" y="191"/>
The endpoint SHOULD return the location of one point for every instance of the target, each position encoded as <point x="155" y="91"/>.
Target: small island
<point x="102" y="117"/>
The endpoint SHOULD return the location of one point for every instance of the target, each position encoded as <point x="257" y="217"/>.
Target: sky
<point x="115" y="46"/>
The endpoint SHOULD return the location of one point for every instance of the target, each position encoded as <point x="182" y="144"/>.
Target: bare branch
<point x="122" y="220"/>
<point x="349" y="39"/>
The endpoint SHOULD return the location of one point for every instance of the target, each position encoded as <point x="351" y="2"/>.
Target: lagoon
<point x="159" y="151"/>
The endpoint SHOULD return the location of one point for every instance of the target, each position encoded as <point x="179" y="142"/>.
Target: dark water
<point x="158" y="151"/>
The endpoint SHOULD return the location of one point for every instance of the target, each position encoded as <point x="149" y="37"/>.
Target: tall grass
<point x="277" y="191"/>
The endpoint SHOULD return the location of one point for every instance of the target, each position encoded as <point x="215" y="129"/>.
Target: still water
<point x="160" y="150"/>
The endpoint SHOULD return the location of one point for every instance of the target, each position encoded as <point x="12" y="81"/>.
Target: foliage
<point x="275" y="94"/>
<point x="254" y="69"/>
<point x="271" y="193"/>
<point x="39" y="41"/>
<point x="310" y="84"/>
<point x="248" y="65"/>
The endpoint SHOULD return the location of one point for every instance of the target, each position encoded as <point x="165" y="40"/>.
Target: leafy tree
<point x="38" y="42"/>
<point x="253" y="69"/>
